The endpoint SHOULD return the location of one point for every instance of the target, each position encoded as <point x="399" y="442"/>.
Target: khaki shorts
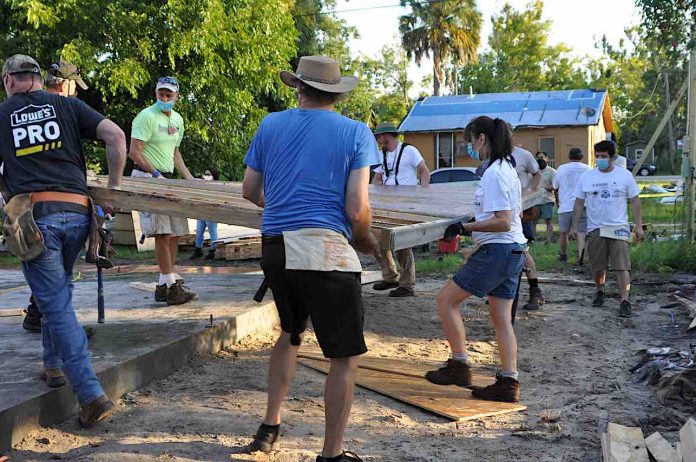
<point x="607" y="254"/>
<point x="152" y="224"/>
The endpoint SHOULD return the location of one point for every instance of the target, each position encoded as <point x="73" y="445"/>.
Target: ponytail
<point x="498" y="135"/>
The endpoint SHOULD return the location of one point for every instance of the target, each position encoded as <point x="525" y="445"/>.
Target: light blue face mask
<point x="474" y="154"/>
<point x="602" y="164"/>
<point x="165" y="107"/>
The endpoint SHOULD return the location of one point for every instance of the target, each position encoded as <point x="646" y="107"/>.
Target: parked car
<point x="451" y="175"/>
<point x="645" y="169"/>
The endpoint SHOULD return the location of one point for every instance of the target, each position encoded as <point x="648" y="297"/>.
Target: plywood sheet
<point x="452" y="402"/>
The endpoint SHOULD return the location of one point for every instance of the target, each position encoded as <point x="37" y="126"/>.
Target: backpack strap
<point x="398" y="162"/>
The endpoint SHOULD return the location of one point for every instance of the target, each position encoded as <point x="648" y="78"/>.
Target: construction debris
<point x="623" y="444"/>
<point x="660" y="448"/>
<point x="244" y="248"/>
<point x="687" y="437"/>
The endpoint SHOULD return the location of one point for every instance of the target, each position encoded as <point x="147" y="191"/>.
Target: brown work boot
<point x="178" y="294"/>
<point x="451" y="373"/>
<point x="504" y="389"/>
<point x="53" y="377"/>
<point x="402" y="292"/>
<point x="266" y="436"/>
<point x="535" y="300"/>
<point x="161" y="293"/>
<point x="385" y="285"/>
<point x="95" y="411"/>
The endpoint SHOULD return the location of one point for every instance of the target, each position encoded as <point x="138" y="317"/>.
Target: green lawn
<point x="649" y="257"/>
<point x="123" y="254"/>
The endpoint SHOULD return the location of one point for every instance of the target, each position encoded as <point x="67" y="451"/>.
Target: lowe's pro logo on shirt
<point x="34" y="129"/>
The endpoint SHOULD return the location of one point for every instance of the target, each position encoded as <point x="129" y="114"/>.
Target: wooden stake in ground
<point x="687" y="436"/>
<point x="660" y="448"/>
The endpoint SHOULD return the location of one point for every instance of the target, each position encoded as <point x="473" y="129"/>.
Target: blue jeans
<point x="50" y="278"/>
<point x="200" y="229"/>
<point x="493" y="270"/>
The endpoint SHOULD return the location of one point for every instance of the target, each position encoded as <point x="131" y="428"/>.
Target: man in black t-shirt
<point x="41" y="149"/>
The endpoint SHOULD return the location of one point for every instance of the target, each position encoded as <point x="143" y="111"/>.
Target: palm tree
<point x="449" y="29"/>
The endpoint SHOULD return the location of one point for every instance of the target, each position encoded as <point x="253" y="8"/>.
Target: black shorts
<point x="332" y="299"/>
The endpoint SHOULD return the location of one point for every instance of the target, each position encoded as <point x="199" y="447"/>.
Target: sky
<point x="577" y="23"/>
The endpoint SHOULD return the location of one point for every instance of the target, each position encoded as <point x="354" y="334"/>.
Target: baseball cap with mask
<point x="63" y="70"/>
<point x="169" y="83"/>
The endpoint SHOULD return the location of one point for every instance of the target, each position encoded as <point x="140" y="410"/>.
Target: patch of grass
<point x="127" y="252"/>
<point x="655" y="212"/>
<point x="646" y="257"/>
<point x="8" y="260"/>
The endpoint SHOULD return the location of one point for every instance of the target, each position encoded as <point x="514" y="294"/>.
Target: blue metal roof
<point x="527" y="109"/>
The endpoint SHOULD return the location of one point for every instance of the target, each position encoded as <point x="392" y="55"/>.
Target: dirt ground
<point x="574" y="361"/>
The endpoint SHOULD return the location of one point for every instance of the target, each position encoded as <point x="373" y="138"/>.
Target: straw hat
<point x="320" y="72"/>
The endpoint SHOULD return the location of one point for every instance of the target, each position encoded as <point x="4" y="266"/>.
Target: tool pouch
<point x="99" y="249"/>
<point x="23" y="237"/>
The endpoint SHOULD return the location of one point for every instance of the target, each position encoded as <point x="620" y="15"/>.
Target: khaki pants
<point x="407" y="277"/>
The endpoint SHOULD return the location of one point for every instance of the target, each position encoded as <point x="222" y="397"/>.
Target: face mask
<point x="542" y="163"/>
<point x="602" y="164"/>
<point x="208" y="177"/>
<point x="474" y="154"/>
<point x="165" y="107"/>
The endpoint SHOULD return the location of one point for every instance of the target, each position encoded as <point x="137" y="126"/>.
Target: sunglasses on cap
<point x="168" y="81"/>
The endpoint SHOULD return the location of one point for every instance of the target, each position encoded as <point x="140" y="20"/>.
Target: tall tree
<point x="225" y="53"/>
<point x="388" y="75"/>
<point x="449" y="30"/>
<point x="520" y="57"/>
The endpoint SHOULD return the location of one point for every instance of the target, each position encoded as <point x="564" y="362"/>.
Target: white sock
<point x="511" y="375"/>
<point x="461" y="357"/>
<point x="168" y="279"/>
<point x="176" y="276"/>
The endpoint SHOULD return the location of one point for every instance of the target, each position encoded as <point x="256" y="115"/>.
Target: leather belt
<point x="55" y="196"/>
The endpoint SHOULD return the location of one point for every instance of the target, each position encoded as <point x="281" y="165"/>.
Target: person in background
<point x="210" y="174"/>
<point x="604" y="192"/>
<point x="564" y="183"/>
<point x="546" y="183"/>
<point x="402" y="164"/>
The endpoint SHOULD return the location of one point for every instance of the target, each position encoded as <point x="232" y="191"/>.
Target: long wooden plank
<point x="452" y="402"/>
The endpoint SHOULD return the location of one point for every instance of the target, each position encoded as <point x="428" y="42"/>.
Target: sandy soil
<point x="574" y="361"/>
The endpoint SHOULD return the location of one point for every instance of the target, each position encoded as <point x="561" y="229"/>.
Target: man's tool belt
<point x="23" y="237"/>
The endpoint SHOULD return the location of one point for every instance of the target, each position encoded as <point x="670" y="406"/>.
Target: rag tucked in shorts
<point x="332" y="299"/>
<point x="152" y="224"/>
<point x="565" y="222"/>
<point x="546" y="210"/>
<point x="607" y="254"/>
<point x="493" y="270"/>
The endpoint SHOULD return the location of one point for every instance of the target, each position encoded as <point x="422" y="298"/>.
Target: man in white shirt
<point x="564" y="182"/>
<point x="402" y="165"/>
<point x="528" y="172"/>
<point x="604" y="192"/>
<point x="545" y="208"/>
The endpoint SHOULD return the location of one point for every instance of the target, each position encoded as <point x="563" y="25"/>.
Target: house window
<point x="548" y="145"/>
<point x="637" y="154"/>
<point x="445" y="150"/>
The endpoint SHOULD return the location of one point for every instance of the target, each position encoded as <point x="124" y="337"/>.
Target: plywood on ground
<point x="452" y="402"/>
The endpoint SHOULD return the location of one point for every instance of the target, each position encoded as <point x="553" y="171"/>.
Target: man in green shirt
<point x="155" y="139"/>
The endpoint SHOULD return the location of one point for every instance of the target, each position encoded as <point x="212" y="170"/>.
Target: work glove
<point x="454" y="230"/>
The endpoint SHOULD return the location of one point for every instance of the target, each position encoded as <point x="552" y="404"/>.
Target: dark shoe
<point x="197" y="253"/>
<point x="385" y="285"/>
<point x="347" y="456"/>
<point x="599" y="299"/>
<point x="89" y="331"/>
<point x="211" y="255"/>
<point x="53" y="377"/>
<point x="625" y="309"/>
<point x="504" y="389"/>
<point x="96" y="411"/>
<point x="32" y="323"/>
<point x="178" y="294"/>
<point x="402" y="292"/>
<point x="451" y="373"/>
<point x="266" y="436"/>
<point x="535" y="300"/>
<point x="161" y="293"/>
<point x="563" y="258"/>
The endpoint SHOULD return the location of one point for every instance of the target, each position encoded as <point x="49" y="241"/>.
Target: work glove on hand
<point x="454" y="230"/>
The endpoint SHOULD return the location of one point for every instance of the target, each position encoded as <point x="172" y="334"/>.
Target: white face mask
<point x="208" y="177"/>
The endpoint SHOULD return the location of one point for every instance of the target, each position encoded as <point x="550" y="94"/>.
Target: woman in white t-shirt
<point x="492" y="271"/>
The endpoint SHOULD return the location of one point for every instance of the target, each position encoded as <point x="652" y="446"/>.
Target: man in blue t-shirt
<point x="309" y="168"/>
